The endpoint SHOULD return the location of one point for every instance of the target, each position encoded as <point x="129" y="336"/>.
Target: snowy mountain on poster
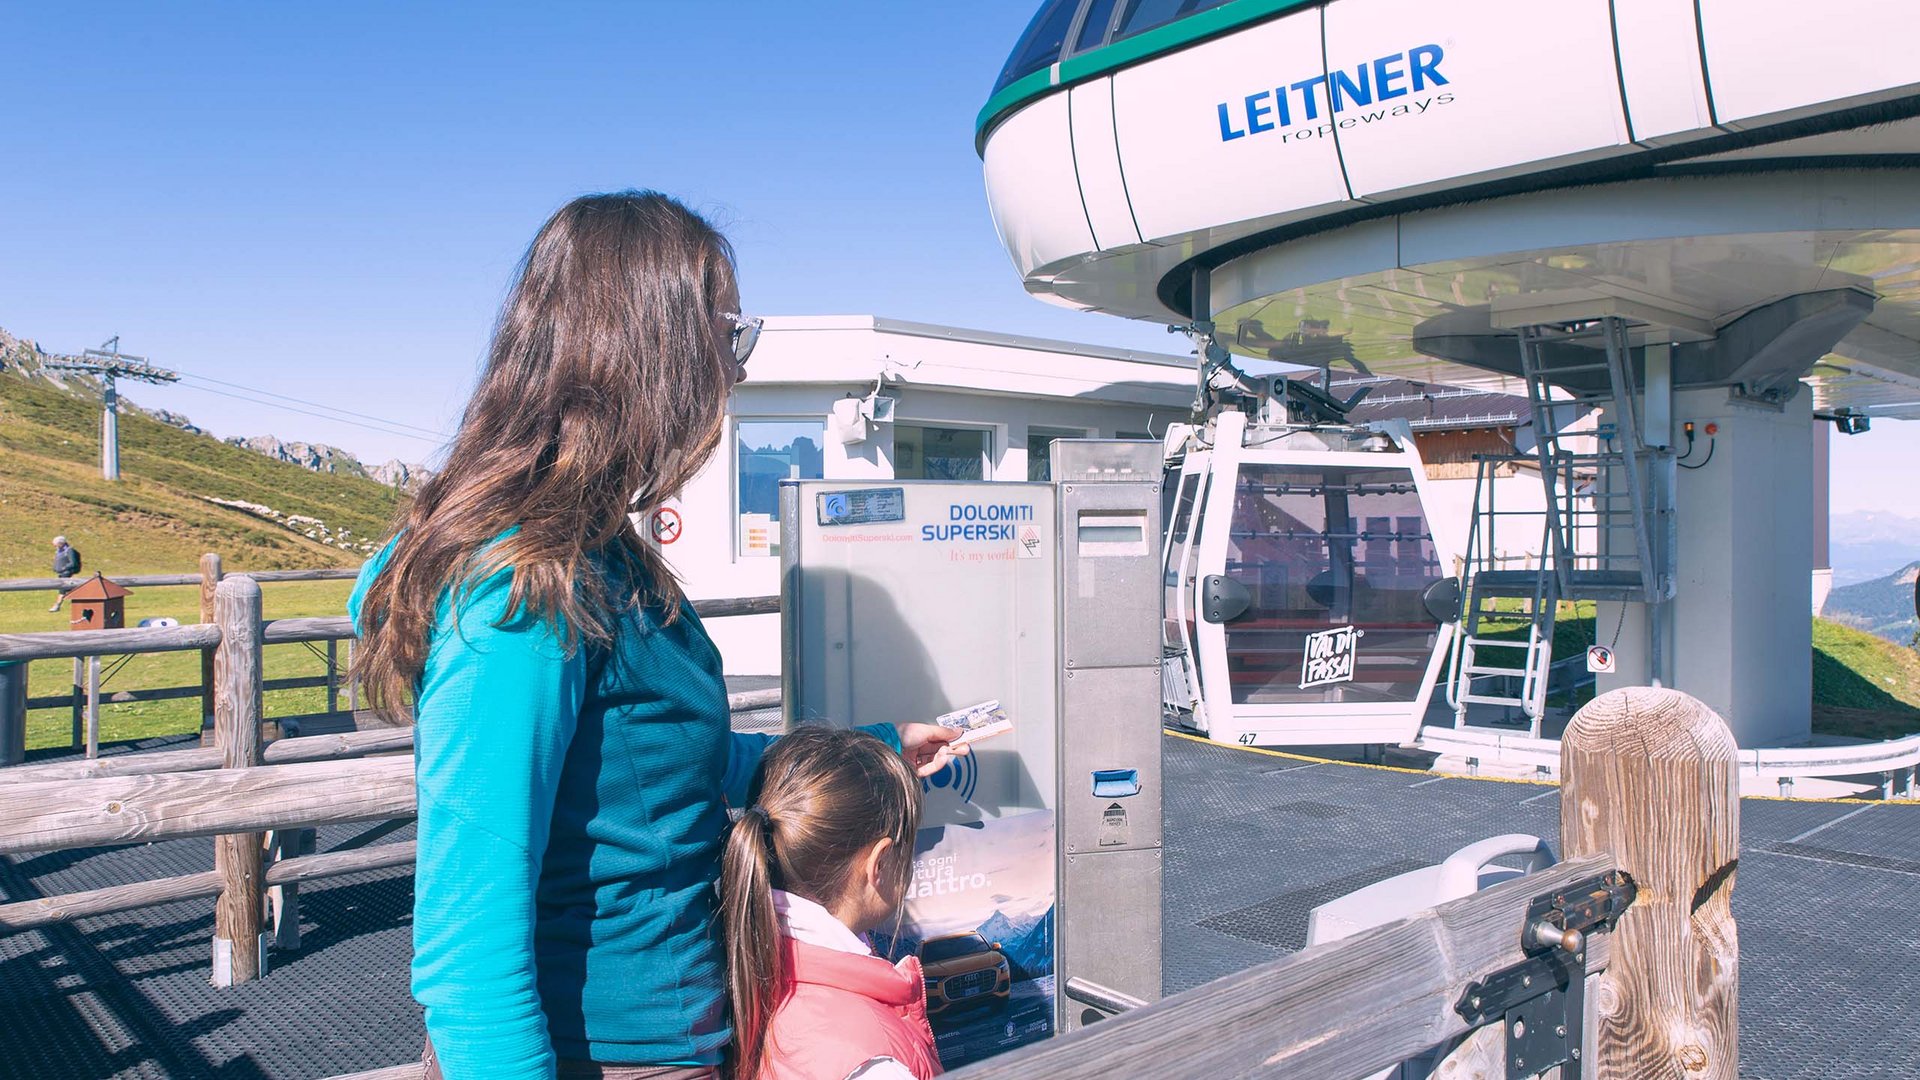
<point x="1026" y="943"/>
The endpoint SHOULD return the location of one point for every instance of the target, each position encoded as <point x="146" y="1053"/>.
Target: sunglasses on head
<point x="746" y="334"/>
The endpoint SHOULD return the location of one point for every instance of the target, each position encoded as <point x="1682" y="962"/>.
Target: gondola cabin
<point x="1308" y="598"/>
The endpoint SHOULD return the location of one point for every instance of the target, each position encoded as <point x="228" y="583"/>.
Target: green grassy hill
<point x="1863" y="686"/>
<point x="1882" y="607"/>
<point x="155" y="519"/>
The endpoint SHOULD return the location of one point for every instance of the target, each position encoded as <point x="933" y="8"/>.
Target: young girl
<point x="823" y="854"/>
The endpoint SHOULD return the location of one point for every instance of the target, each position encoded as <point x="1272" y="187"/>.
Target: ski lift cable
<point x="314" y="404"/>
<point x="323" y="416"/>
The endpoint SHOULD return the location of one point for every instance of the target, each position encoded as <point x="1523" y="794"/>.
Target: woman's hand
<point x="928" y="747"/>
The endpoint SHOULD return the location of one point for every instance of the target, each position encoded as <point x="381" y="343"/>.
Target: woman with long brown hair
<point x="572" y="749"/>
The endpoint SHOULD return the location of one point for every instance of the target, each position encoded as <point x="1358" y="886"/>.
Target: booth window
<point x="1040" y="450"/>
<point x="765" y="453"/>
<point x="924" y="452"/>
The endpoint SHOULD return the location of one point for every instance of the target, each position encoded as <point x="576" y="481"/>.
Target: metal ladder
<point x="1493" y="592"/>
<point x="1609" y="509"/>
<point x="1607" y="526"/>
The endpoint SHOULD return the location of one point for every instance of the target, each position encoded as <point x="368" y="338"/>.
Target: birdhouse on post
<point x="98" y="605"/>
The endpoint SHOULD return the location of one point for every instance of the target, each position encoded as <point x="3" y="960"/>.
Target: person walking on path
<point x="573" y="754"/>
<point x="66" y="563"/>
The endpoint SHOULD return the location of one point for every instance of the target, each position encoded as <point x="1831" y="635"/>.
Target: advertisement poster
<point x="980" y="915"/>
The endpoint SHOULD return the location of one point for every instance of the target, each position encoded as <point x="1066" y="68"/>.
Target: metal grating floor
<point x="1825" y="900"/>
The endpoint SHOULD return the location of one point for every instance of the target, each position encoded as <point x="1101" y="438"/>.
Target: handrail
<point x="1301" y="1016"/>
<point x="1783" y="763"/>
<point x="62" y="645"/>
<point x="53" y="814"/>
<point x="346" y="744"/>
<point x="27" y="914"/>
<point x="139" y="581"/>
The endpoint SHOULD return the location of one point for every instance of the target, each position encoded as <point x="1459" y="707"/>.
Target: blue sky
<point x="325" y="201"/>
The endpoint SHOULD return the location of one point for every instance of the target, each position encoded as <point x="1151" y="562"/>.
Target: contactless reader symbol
<point x="835" y="506"/>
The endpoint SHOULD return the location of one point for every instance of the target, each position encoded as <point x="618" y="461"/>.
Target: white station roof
<point x="1407" y="180"/>
<point x="861" y="350"/>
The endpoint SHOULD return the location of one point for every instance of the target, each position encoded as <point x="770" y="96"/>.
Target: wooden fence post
<point x="239" y="952"/>
<point x="93" y="706"/>
<point x="13" y="713"/>
<point x="333" y="676"/>
<point x="1651" y="775"/>
<point x="79" y="703"/>
<point x="209" y="581"/>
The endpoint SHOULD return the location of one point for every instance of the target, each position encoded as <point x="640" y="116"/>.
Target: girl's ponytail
<point x="755" y="974"/>
<point x="820" y="797"/>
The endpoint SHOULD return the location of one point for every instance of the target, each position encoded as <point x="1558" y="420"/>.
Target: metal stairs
<point x="1605" y="526"/>
<point x="1495" y="592"/>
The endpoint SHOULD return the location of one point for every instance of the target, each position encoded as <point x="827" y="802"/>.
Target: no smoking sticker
<point x="1599" y="660"/>
<point x="666" y="525"/>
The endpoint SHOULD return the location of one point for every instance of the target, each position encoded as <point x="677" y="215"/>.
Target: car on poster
<point x="979" y="914"/>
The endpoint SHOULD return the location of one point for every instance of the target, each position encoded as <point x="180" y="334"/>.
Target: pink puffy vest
<point x="845" y="1010"/>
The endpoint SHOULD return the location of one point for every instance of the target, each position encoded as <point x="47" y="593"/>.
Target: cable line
<point x="436" y="439"/>
<point x="315" y="404"/>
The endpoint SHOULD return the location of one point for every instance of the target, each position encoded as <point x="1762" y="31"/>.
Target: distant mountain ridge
<point x="182" y="492"/>
<point x="1867" y="544"/>
<point x="24" y="357"/>
<point x="1882" y="607"/>
<point x="319" y="457"/>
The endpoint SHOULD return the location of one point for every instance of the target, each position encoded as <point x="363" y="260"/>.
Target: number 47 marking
<point x="1246" y="738"/>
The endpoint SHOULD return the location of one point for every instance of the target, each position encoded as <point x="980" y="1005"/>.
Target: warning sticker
<point x="1029" y="542"/>
<point x="1599" y="660"/>
<point x="1330" y="657"/>
<point x="667" y="525"/>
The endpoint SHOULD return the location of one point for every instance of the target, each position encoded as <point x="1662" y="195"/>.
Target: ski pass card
<point x="976" y="722"/>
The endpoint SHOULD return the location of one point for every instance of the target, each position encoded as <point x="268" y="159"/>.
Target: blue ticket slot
<point x="1115" y="783"/>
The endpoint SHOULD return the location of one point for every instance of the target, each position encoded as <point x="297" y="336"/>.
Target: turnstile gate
<point x="1035" y="904"/>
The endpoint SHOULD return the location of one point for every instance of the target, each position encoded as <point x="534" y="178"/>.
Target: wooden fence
<point x="1649" y="817"/>
<point x="1634" y="931"/>
<point x="85" y="697"/>
<point x="259" y="799"/>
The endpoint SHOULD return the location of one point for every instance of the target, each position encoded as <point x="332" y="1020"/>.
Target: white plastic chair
<point x="1464" y="872"/>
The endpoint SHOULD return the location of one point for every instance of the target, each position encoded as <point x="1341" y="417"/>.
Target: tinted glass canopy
<point x="1088" y="24"/>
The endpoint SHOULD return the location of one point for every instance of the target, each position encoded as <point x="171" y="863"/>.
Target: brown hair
<point x="604" y="391"/>
<point x="821" y="797"/>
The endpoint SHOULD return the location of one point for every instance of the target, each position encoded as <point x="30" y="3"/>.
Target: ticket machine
<point x="1035" y="904"/>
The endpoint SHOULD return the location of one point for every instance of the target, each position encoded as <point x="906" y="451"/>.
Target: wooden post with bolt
<point x="1651" y="776"/>
<point x="238" y="947"/>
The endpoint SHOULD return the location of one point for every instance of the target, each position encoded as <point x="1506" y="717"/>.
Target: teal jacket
<point x="572" y="806"/>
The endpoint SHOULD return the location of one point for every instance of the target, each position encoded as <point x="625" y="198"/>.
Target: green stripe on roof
<point x="1126" y="52"/>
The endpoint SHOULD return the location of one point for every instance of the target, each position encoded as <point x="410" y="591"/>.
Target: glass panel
<point x="1040" y="45"/>
<point x="1323" y="549"/>
<point x="1190" y="579"/>
<point x="767" y="452"/>
<point x="1093" y="29"/>
<point x="1040" y="450"/>
<point x="1145" y="15"/>
<point x="1182" y="518"/>
<point x="935" y="453"/>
